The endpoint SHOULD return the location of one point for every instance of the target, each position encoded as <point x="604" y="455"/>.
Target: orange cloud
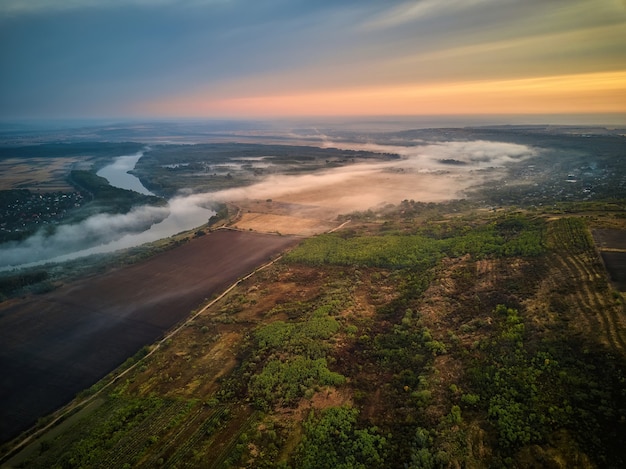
<point x="603" y="92"/>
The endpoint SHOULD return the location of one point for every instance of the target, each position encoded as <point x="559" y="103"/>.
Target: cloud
<point x="410" y="12"/>
<point x="478" y="154"/>
<point x="43" y="6"/>
<point x="250" y="58"/>
<point x="589" y="92"/>
<point x="422" y="173"/>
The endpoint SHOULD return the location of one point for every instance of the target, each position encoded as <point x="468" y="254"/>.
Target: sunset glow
<point x="599" y="92"/>
<point x="215" y="58"/>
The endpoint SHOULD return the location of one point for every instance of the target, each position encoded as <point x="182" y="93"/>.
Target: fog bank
<point x="428" y="173"/>
<point x="107" y="233"/>
<point x="431" y="172"/>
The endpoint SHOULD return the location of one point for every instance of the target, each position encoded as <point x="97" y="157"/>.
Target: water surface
<point x="117" y="173"/>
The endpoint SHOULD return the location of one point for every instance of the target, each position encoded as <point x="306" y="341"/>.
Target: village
<point x="23" y="211"/>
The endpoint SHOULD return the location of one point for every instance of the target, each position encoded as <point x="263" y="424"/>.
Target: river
<point x="118" y="173"/>
<point x="113" y="232"/>
<point x="184" y="213"/>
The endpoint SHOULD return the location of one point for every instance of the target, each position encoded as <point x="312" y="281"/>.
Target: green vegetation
<point x="117" y="433"/>
<point x="451" y="342"/>
<point x="511" y="236"/>
<point x="74" y="149"/>
<point x="510" y="385"/>
<point x="303" y="337"/>
<point x="19" y="283"/>
<point x="571" y="235"/>
<point x="221" y="214"/>
<point x="530" y="392"/>
<point x="284" y="382"/>
<point x="296" y="363"/>
<point x="332" y="440"/>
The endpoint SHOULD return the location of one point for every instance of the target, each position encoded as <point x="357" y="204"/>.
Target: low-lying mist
<point x="476" y="154"/>
<point x="425" y="172"/>
<point x="95" y="230"/>
<point x="106" y="233"/>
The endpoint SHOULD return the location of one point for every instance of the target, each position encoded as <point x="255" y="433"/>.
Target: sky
<point x="284" y="58"/>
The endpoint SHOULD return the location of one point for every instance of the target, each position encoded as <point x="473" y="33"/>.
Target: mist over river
<point x="104" y="233"/>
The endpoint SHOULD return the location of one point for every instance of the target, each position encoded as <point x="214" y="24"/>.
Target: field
<point x="43" y="174"/>
<point x="613" y="239"/>
<point x="612" y="245"/>
<point x="505" y="346"/>
<point x="57" y="344"/>
<point x="615" y="263"/>
<point x="45" y="166"/>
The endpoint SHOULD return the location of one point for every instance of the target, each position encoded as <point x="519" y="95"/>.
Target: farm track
<point x="562" y="269"/>
<point x="591" y="305"/>
<point x="69" y="338"/>
<point x="608" y="311"/>
<point x="486" y="271"/>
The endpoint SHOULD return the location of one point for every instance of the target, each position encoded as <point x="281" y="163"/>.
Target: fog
<point x="429" y="173"/>
<point x="425" y="172"/>
<point x="477" y="153"/>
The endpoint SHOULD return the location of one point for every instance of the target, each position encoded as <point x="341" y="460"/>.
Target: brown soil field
<point x="46" y="174"/>
<point x="52" y="346"/>
<point x="615" y="263"/>
<point x="283" y="224"/>
<point x="612" y="245"/>
<point x="610" y="239"/>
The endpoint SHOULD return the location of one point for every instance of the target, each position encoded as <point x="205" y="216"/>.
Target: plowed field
<point x="612" y="245"/>
<point x="53" y="346"/>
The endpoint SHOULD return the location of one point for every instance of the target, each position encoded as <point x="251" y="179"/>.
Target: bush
<point x="287" y="381"/>
<point x="332" y="440"/>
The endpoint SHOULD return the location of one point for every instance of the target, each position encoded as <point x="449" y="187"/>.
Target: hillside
<point x="426" y="337"/>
